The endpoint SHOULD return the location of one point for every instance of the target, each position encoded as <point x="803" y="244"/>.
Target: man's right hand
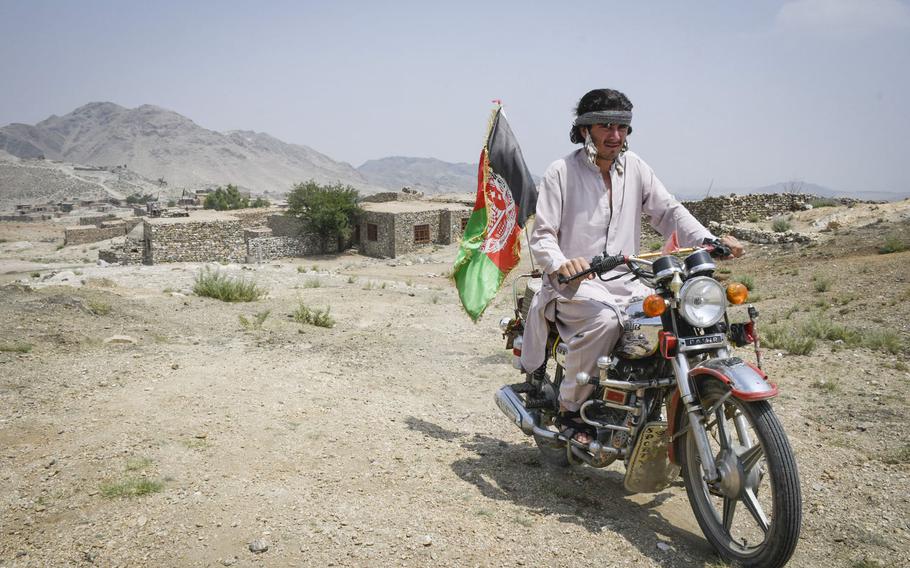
<point x="572" y="267"/>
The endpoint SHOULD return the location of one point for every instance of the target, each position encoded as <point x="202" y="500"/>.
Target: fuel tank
<point x="640" y="334"/>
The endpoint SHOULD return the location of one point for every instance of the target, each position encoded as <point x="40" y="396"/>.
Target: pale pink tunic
<point x="575" y="218"/>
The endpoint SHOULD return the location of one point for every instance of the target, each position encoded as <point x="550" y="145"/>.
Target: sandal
<point x="571" y="426"/>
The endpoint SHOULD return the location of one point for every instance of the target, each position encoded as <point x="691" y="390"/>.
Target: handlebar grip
<point x="598" y="264"/>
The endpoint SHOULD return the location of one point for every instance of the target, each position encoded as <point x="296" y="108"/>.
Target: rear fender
<point x="746" y="381"/>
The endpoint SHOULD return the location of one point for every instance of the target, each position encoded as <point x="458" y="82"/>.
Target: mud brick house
<point x="392" y="228"/>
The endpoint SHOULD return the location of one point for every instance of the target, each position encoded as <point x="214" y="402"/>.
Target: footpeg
<point x="533" y="403"/>
<point x="522" y="388"/>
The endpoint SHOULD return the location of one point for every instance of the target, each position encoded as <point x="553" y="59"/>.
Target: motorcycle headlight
<point x="702" y="301"/>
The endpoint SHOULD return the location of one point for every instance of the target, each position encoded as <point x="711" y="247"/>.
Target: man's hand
<point x="574" y="266"/>
<point x="735" y="246"/>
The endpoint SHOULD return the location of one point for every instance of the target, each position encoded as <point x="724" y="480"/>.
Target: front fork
<point x="696" y="417"/>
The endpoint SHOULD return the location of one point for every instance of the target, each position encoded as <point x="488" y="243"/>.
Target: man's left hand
<point x="736" y="248"/>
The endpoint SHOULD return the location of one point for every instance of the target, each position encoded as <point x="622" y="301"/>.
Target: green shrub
<point x="98" y="308"/>
<point x="883" y="340"/>
<point x="226" y="199"/>
<point x="754" y="217"/>
<point x="17" y="347"/>
<point x="822" y="283"/>
<point x="823" y="328"/>
<point x="778" y="337"/>
<point x="746" y="281"/>
<point x="893" y="243"/>
<point x="312" y="283"/>
<point x="825" y="385"/>
<point x="256" y="322"/>
<point x="313" y="316"/>
<point x="780" y="225"/>
<point x="823" y="202"/>
<point x="214" y="284"/>
<point x="328" y="212"/>
<point x="131" y="487"/>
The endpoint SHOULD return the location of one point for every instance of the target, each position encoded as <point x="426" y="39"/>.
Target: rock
<point x="259" y="546"/>
<point x="102" y="263"/>
<point x="229" y="561"/>
<point x="123" y="339"/>
<point x="664" y="546"/>
<point x="426" y="540"/>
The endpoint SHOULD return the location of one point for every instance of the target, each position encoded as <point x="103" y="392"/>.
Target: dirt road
<point x="376" y="442"/>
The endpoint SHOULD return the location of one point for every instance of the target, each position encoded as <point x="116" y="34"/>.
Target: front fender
<point x="746" y="381"/>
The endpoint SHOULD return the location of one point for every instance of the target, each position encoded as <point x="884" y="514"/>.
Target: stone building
<point x="392" y="228"/>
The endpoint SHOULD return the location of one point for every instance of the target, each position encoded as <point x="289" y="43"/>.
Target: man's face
<point x="609" y="139"/>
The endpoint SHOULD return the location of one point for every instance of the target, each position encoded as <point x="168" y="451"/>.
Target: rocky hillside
<point x="46" y="181"/>
<point x="158" y="143"/>
<point x="429" y="175"/>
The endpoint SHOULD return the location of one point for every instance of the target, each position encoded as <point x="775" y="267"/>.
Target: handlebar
<point x="600" y="264"/>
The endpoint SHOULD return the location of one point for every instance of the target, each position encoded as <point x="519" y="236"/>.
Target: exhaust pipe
<point x="510" y="405"/>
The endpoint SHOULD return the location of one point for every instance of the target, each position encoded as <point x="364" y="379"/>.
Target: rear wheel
<point x="553" y="452"/>
<point x="752" y="516"/>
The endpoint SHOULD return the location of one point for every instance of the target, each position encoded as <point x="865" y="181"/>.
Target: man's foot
<point x="571" y="425"/>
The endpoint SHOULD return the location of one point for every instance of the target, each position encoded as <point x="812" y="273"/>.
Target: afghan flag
<point x="506" y="197"/>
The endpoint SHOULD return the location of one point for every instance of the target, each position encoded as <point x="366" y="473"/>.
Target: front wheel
<point x="752" y="515"/>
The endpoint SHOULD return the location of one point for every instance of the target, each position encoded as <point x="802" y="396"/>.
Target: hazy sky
<point x="741" y="93"/>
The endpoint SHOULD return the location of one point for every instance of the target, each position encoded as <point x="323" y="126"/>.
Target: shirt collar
<point x="619" y="165"/>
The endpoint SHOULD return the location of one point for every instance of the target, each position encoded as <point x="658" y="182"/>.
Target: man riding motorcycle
<point x="589" y="202"/>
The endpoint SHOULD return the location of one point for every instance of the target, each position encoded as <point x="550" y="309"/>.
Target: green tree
<point x="327" y="211"/>
<point x="226" y="198"/>
<point x="260" y="202"/>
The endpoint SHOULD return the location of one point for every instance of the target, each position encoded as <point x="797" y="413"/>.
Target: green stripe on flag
<point x="476" y="277"/>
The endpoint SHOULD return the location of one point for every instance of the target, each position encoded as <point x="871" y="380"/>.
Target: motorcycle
<point x="672" y="399"/>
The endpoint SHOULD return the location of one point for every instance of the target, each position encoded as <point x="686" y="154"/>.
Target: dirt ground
<point x="376" y="442"/>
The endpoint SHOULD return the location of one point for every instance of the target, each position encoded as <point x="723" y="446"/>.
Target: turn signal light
<point x="654" y="305"/>
<point x="737" y="293"/>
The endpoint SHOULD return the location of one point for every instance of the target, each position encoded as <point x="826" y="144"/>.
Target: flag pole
<point x="530" y="256"/>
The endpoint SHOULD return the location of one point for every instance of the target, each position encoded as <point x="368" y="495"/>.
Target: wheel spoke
<point x="751" y="457"/>
<point x="723" y="434"/>
<point x="754" y="507"/>
<point x="742" y="430"/>
<point x="729" y="509"/>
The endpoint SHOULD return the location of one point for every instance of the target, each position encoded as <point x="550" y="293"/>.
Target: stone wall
<point x="729" y="210"/>
<point x="218" y="240"/>
<point x="284" y="225"/>
<point x="255" y="216"/>
<point x="739" y="208"/>
<point x="96" y="219"/>
<point x="450" y="225"/>
<point x="404" y="230"/>
<point x="83" y="235"/>
<point x="270" y="248"/>
<point x="384" y="245"/>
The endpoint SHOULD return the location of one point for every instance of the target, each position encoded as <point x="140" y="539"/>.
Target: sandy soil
<point x="376" y="442"/>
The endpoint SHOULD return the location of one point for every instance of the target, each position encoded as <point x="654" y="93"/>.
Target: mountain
<point x="429" y="175"/>
<point x="161" y="144"/>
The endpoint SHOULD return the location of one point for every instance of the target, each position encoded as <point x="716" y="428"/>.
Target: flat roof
<point x="411" y="207"/>
<point x="198" y="216"/>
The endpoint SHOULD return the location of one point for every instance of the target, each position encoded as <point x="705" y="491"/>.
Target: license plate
<point x="702" y="341"/>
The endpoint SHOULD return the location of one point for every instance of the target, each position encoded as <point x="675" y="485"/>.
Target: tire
<point x="552" y="452"/>
<point x="767" y="481"/>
